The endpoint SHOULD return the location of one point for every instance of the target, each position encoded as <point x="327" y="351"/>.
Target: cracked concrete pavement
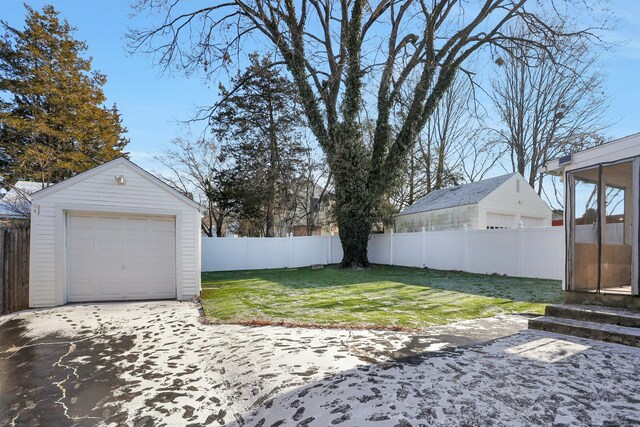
<point x="155" y="363"/>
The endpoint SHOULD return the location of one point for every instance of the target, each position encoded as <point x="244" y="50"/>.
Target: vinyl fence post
<point x="291" y="250"/>
<point x="465" y="248"/>
<point x="520" y="249"/>
<point x="245" y="257"/>
<point x="424" y="247"/>
<point x="326" y="256"/>
<point x="391" y="248"/>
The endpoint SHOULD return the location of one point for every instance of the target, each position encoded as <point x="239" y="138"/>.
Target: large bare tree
<point x="194" y="169"/>
<point x="434" y="162"/>
<point x="548" y="106"/>
<point x="348" y="54"/>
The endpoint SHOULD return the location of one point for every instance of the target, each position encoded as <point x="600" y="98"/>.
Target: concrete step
<point x="597" y="314"/>
<point x="596" y="331"/>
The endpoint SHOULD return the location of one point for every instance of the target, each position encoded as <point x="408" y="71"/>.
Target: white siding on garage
<point x="528" y="222"/>
<point x="97" y="191"/>
<point x="514" y="198"/>
<point x="455" y="218"/>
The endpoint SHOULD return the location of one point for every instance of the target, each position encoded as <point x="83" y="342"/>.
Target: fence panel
<point x="524" y="252"/>
<point x="543" y="252"/>
<point x="222" y="254"/>
<point x="14" y="261"/>
<point x="407" y="249"/>
<point x="336" y="250"/>
<point x="493" y="251"/>
<point x="445" y="250"/>
<point x="380" y="249"/>
<point x="266" y="253"/>
<point x="308" y="250"/>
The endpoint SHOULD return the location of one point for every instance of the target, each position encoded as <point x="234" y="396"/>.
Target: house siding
<point x="442" y="219"/>
<point x="101" y="192"/>
<point x="613" y="151"/>
<point x="507" y="200"/>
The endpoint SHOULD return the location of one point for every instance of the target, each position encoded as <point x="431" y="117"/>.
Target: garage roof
<point x="104" y="167"/>
<point x="460" y="195"/>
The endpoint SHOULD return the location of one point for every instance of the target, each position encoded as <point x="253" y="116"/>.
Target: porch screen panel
<point x="585" y="231"/>
<point x="616" y="229"/>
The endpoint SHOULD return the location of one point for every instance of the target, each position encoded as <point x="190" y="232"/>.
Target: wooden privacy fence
<point x="14" y="269"/>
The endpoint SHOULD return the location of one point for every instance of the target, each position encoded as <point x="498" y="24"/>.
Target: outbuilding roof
<point x="18" y="199"/>
<point x="105" y="166"/>
<point x="460" y="195"/>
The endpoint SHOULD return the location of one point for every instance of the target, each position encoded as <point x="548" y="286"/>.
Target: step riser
<point x="610" y="337"/>
<point x="598" y="317"/>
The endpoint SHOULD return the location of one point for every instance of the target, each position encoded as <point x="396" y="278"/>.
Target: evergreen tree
<point x="53" y="124"/>
<point x="259" y="124"/>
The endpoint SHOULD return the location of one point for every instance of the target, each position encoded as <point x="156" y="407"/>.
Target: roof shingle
<point x="460" y="195"/>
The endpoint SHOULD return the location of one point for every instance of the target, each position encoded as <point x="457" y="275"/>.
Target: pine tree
<point x="260" y="127"/>
<point x="53" y="123"/>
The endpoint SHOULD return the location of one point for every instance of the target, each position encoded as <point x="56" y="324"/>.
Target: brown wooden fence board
<point x="14" y="277"/>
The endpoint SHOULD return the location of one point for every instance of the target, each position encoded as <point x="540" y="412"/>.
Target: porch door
<point x="603" y="232"/>
<point x="584" y="230"/>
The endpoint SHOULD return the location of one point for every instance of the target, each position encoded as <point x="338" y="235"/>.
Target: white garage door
<point x="113" y="257"/>
<point x="496" y="221"/>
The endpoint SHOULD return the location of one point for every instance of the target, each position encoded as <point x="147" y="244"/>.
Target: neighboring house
<point x="15" y="205"/>
<point x="557" y="220"/>
<point x="313" y="215"/>
<point x="115" y="232"/>
<point x="506" y="201"/>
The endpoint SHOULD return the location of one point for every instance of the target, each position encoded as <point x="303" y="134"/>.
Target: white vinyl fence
<point x="521" y="252"/>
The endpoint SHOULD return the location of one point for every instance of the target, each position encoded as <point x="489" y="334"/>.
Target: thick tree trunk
<point x="354" y="237"/>
<point x="219" y="230"/>
<point x="354" y="217"/>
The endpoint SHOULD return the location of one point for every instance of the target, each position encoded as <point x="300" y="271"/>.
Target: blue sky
<point x="153" y="104"/>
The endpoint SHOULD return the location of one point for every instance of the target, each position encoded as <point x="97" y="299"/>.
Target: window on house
<point x="315" y="204"/>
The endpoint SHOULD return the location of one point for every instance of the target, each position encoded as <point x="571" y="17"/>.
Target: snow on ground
<point x="155" y="363"/>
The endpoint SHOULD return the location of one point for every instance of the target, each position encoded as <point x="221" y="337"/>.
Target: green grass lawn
<point x="383" y="296"/>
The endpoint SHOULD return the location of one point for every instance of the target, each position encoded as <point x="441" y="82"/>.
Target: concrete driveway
<point x="156" y="364"/>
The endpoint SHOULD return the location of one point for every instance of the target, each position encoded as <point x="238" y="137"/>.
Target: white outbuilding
<point x="506" y="201"/>
<point x="113" y="233"/>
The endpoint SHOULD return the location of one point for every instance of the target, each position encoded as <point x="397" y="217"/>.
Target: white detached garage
<point x="113" y="233"/>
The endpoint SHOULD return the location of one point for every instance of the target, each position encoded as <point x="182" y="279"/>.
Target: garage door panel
<point x="109" y="245"/>
<point x="107" y="223"/>
<point x="83" y="223"/>
<point x="162" y="226"/>
<point x="141" y="225"/>
<point x="141" y="248"/>
<point x="79" y="247"/>
<point x="120" y="258"/>
<point x="88" y="289"/>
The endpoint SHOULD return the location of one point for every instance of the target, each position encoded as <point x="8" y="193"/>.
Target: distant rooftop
<point x="460" y="195"/>
<point x="18" y="198"/>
